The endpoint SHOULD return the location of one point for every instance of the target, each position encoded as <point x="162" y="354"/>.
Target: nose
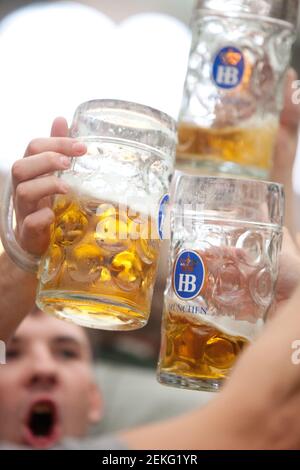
<point x="43" y="371"/>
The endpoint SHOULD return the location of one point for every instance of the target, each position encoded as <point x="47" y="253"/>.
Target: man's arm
<point x="257" y="409"/>
<point x="286" y="149"/>
<point x="34" y="185"/>
<point x="17" y="294"/>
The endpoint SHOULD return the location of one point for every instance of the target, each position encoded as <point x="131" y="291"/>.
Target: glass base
<point x="91" y="311"/>
<point x="217" y="168"/>
<point x="204" y="385"/>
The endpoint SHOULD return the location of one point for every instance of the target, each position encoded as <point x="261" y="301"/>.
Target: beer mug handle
<point x="20" y="257"/>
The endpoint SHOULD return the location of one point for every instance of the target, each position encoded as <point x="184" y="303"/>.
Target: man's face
<point x="47" y="390"/>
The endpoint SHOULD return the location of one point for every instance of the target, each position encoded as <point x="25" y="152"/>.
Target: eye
<point x="12" y="353"/>
<point x="68" y="353"/>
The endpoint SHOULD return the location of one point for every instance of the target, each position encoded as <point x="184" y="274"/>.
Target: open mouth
<point x="41" y="427"/>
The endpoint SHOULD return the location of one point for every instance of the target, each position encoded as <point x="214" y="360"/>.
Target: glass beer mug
<point x="225" y="240"/>
<point x="100" y="268"/>
<point x="234" y="85"/>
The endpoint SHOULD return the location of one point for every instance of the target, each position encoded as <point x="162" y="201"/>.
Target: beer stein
<point x="100" y="268"/>
<point x="225" y="241"/>
<point x="234" y="85"/>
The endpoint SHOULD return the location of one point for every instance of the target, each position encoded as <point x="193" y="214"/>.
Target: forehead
<point x="43" y="326"/>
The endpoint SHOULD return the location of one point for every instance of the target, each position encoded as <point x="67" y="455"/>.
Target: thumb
<point x="59" y="127"/>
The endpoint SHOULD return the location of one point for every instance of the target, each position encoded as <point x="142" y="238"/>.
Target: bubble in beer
<point x="135" y="225"/>
<point x="52" y="264"/>
<point x="147" y="250"/>
<point x="90" y="206"/>
<point x="61" y="204"/>
<point x="105" y="210"/>
<point x="219" y="352"/>
<point x="105" y="275"/>
<point x="185" y="345"/>
<point x="84" y="263"/>
<point x="112" y="234"/>
<point x="130" y="270"/>
<point x="70" y="227"/>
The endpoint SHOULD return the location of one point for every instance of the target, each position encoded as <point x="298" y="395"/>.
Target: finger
<point x="65" y="145"/>
<point x="35" y="231"/>
<point x="38" y="165"/>
<point x="289" y="268"/>
<point x="29" y="193"/>
<point x="59" y="127"/>
<point x="290" y="115"/>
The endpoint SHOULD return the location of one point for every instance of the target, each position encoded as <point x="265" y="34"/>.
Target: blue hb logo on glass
<point x="188" y="275"/>
<point x="162" y="214"/>
<point x="228" y="68"/>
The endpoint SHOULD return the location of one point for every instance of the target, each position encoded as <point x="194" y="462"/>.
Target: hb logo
<point x="162" y="214"/>
<point x="228" y="67"/>
<point x="188" y="275"/>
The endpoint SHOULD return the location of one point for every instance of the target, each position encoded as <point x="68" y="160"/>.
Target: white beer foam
<point x="261" y="123"/>
<point x="113" y="192"/>
<point x="256" y="122"/>
<point x="232" y="327"/>
<point x="226" y="324"/>
<point x="119" y="177"/>
<point x="268" y="123"/>
<point x="135" y="120"/>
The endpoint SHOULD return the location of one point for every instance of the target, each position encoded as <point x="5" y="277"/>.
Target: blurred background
<point x="57" y="54"/>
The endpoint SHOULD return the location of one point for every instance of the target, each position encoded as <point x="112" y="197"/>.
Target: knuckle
<point x="17" y="170"/>
<point x="53" y="159"/>
<point x="29" y="224"/>
<point x="22" y="192"/>
<point x="48" y="216"/>
<point x="48" y="213"/>
<point x="34" y="147"/>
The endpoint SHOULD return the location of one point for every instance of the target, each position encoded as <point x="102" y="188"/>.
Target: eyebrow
<point x="67" y="339"/>
<point x="58" y="340"/>
<point x="71" y="341"/>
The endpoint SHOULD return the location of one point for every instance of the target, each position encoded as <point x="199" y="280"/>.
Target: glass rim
<point x="284" y="12"/>
<point x="205" y="13"/>
<point x="131" y="106"/>
<point x="194" y="192"/>
<point x="264" y="183"/>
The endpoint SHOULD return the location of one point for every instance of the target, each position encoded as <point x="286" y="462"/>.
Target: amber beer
<point x="196" y="350"/>
<point x="251" y="147"/>
<point x="102" y="252"/>
<point x="226" y="236"/>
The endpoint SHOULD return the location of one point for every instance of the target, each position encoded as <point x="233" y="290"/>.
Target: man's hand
<point x="286" y="149"/>
<point x="262" y="397"/>
<point x="287" y="140"/>
<point x="34" y="185"/>
<point x="289" y="270"/>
